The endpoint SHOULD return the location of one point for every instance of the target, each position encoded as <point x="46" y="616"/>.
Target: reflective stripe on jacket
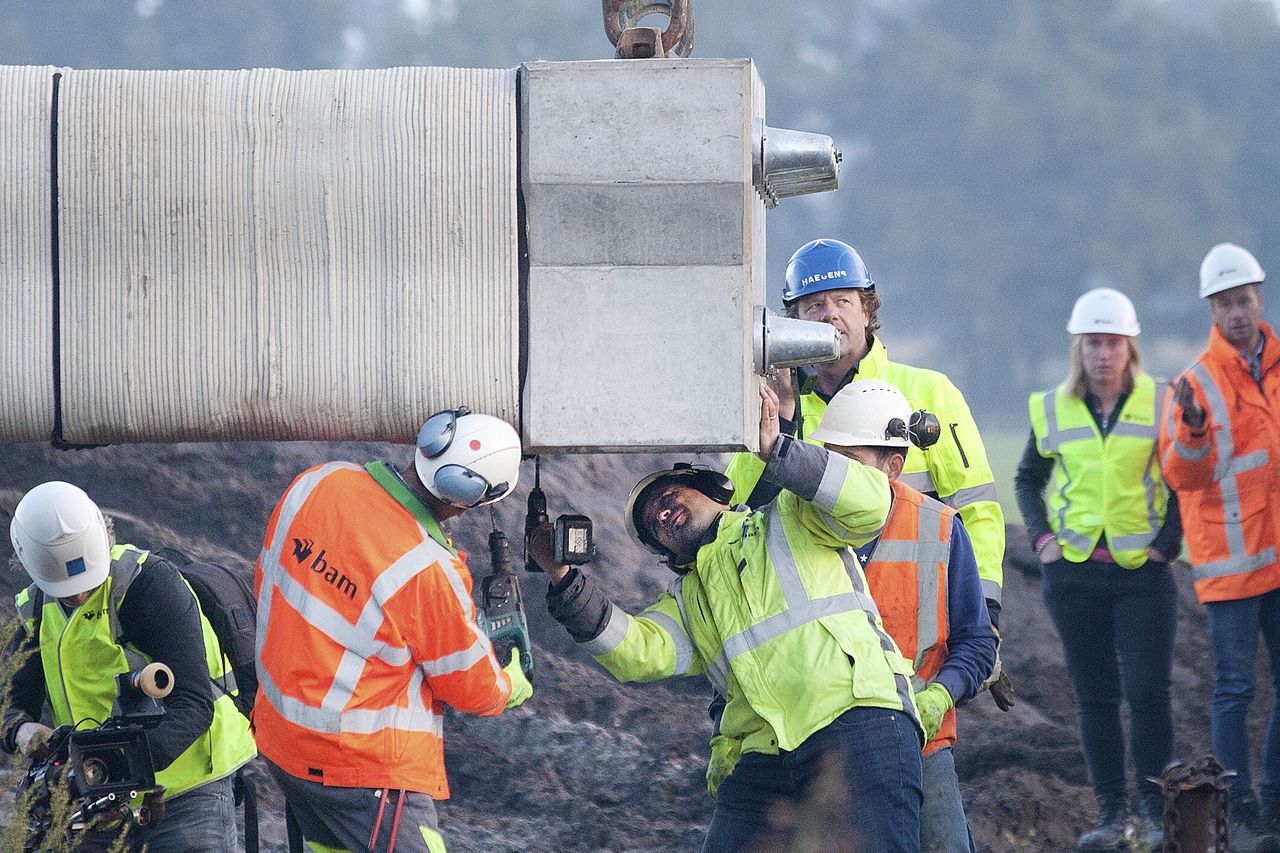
<point x="1226" y="474"/>
<point x="775" y="610"/>
<point x="81" y="659"/>
<point x="1103" y="485"/>
<point x="366" y="630"/>
<point x="955" y="469"/>
<point x="907" y="575"/>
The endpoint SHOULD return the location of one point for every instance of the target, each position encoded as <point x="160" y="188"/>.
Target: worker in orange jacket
<point x="923" y="575"/>
<point x="1220" y="450"/>
<point x="367" y="629"/>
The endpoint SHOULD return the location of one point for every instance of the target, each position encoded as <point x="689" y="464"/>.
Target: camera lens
<point x="95" y="771"/>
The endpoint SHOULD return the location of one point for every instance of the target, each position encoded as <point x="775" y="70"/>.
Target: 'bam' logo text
<point x="331" y="573"/>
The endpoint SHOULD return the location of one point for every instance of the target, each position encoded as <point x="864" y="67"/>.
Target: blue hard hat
<point x="824" y="265"/>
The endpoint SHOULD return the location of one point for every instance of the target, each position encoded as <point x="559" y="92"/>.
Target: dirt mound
<point x="588" y="764"/>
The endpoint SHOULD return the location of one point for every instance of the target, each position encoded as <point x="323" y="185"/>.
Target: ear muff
<point x="712" y="483"/>
<point x="460" y="486"/>
<point x="437" y="433"/>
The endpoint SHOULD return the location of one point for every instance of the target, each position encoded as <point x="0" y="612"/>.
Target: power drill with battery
<point x="502" y="606"/>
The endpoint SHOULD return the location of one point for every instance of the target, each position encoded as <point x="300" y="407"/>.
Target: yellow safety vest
<point x="1103" y="486"/>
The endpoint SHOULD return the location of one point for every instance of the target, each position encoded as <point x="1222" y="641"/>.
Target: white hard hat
<point x="1226" y="266"/>
<point x="861" y="414"/>
<point x="1104" y="310"/>
<point x="467" y="459"/>
<point x="60" y="538"/>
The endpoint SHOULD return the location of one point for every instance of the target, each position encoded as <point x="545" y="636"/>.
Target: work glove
<point x="1002" y="688"/>
<point x="933" y="703"/>
<point x="725" y="752"/>
<point x="998" y="681"/>
<point x="31" y="737"/>
<point x="521" y="689"/>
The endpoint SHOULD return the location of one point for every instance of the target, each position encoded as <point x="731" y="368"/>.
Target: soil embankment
<point x="588" y="764"/>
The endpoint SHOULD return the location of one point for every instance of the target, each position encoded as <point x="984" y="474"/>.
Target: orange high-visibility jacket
<point x="907" y="575"/>
<point x="1227" y="474"/>
<point x="366" y="630"/>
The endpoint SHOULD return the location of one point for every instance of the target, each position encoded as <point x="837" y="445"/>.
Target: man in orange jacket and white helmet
<point x="1220" y="450"/>
<point x="922" y="573"/>
<point x="367" y="629"/>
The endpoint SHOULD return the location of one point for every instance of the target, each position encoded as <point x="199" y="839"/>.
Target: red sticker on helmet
<point x="475" y="444"/>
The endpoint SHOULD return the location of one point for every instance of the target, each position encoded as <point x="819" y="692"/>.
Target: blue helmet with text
<point x="824" y="265"/>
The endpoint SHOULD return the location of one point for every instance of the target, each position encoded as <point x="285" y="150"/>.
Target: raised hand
<point x="768" y="421"/>
<point x="1185" y="396"/>
<point x="784" y="386"/>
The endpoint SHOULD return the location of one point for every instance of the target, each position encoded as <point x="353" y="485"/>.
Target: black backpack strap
<point x="124" y="572"/>
<point x="32" y="610"/>
<point x="293" y="830"/>
<point x="247" y="792"/>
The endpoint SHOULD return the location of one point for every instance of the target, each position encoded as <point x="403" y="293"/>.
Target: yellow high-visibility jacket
<point x="775" y="610"/>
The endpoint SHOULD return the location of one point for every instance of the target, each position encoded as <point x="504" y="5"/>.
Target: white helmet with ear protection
<point x="60" y="537"/>
<point x="467" y="459"/>
<point x="866" y="413"/>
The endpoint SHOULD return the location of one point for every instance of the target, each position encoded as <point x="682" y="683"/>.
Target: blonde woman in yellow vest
<point x="1105" y="538"/>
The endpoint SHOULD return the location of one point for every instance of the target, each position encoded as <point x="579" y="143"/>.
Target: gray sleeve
<point x="796" y="466"/>
<point x="579" y="605"/>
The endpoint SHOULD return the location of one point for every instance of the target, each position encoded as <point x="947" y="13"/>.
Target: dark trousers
<point x="1117" y="629"/>
<point x="872" y="756"/>
<point x="360" y="819"/>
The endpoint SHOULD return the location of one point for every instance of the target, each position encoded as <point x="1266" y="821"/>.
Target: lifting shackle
<point x="633" y="42"/>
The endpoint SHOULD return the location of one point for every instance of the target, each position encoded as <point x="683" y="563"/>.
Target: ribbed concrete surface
<point x="26" y="290"/>
<point x="286" y="255"/>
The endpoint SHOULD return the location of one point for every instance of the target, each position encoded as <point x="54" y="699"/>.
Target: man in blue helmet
<point x="827" y="282"/>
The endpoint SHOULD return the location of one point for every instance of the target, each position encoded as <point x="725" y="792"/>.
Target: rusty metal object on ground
<point x="1195" y="806"/>
<point x="634" y="42"/>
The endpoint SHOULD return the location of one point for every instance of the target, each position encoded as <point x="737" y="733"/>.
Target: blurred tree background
<point x="1000" y="158"/>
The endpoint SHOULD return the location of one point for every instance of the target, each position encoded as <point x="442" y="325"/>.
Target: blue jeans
<point x="1234" y="627"/>
<point x="943" y="826"/>
<point x="202" y="820"/>
<point x="873" y="758"/>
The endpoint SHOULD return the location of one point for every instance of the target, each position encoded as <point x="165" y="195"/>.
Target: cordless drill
<point x="535" y="516"/>
<point x="572" y="541"/>
<point x="502" y="606"/>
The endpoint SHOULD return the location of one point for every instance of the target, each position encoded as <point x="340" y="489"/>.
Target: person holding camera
<point x="94" y="610"/>
<point x="772" y="606"/>
<point x="367" y="630"/>
<point x="1105" y="541"/>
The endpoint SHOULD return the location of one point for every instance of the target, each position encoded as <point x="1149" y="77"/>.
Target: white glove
<point x="31" y="736"/>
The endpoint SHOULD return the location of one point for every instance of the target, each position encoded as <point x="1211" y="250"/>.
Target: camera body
<point x="104" y="769"/>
